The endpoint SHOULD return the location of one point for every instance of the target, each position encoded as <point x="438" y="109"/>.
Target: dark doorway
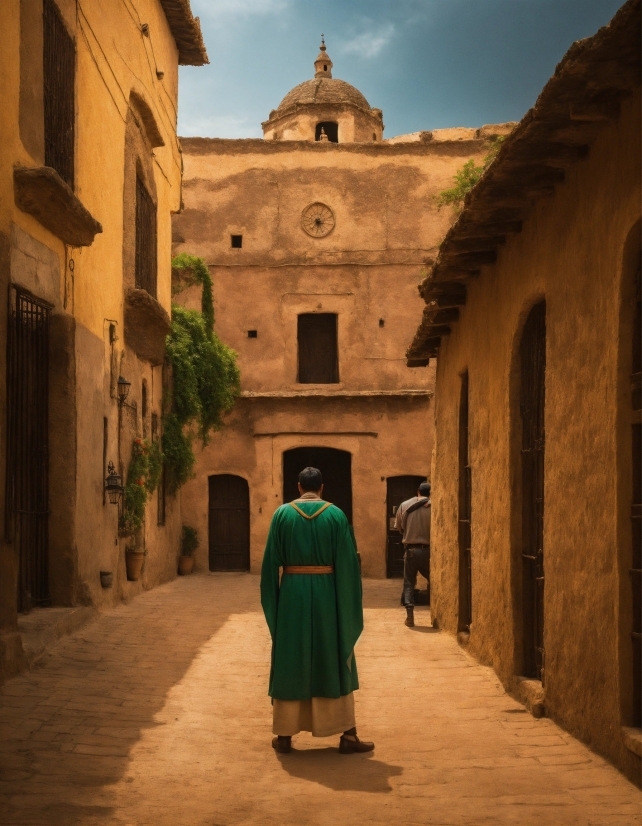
<point x="330" y="128"/>
<point x="532" y="397"/>
<point x="399" y="488"/>
<point x="318" y="348"/>
<point x="465" y="498"/>
<point x="27" y="491"/>
<point x="336" y="469"/>
<point x="229" y="523"/>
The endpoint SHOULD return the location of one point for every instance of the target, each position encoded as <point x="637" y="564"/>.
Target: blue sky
<point x="428" y="64"/>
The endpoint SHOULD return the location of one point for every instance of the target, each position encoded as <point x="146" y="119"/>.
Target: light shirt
<point x="414" y="526"/>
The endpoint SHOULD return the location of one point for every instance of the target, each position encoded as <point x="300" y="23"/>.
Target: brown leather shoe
<point x="350" y="744"/>
<point x="410" y="618"/>
<point x="282" y="744"/>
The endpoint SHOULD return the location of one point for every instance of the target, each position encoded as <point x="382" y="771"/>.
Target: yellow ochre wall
<point x="572" y="251"/>
<point x="113" y="59"/>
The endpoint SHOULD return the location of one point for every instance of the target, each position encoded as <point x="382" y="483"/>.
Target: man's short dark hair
<point x="310" y="479"/>
<point x="424" y="489"/>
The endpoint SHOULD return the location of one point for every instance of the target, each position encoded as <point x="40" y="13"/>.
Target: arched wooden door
<point x="229" y="523"/>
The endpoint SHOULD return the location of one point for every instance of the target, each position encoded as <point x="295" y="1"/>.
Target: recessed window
<point x="374" y="137"/>
<point x="318" y="348"/>
<point x="237" y="241"/>
<point x="252" y="333"/>
<point x="325" y="68"/>
<point x="382" y="322"/>
<point x="59" y="67"/>
<point x="146" y="249"/>
<point x="330" y="129"/>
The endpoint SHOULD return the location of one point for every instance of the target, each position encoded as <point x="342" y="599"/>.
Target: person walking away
<point x="315" y="617"/>
<point x="413" y="521"/>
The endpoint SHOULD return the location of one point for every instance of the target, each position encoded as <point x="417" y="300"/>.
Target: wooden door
<point x="400" y="488"/>
<point x="229" y="523"/>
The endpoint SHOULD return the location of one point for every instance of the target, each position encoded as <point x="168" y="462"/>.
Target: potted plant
<point x="189" y="544"/>
<point x="134" y="558"/>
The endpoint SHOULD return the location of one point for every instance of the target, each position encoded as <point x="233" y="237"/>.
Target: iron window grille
<point x="59" y="71"/>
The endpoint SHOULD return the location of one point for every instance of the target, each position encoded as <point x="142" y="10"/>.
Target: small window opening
<point x="237" y="242"/>
<point x="382" y="322"/>
<point x="318" y="348"/>
<point x="330" y="128"/>
<point x="252" y="333"/>
<point x="144" y="399"/>
<point x="325" y="68"/>
<point x="374" y="137"/>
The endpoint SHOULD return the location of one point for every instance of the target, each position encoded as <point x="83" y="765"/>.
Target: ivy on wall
<point x="143" y="476"/>
<point x="205" y="377"/>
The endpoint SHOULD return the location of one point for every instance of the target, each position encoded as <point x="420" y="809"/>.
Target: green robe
<point x="314" y="619"/>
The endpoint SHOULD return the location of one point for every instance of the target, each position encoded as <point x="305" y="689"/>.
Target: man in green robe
<point x="315" y="617"/>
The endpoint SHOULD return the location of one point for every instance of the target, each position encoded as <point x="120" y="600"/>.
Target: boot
<point x="350" y="743"/>
<point x="282" y="744"/>
<point x="410" y="616"/>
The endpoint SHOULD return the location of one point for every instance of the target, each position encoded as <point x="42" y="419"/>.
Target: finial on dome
<point x="323" y="64"/>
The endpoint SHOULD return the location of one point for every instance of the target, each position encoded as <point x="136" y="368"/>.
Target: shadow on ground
<point x="340" y="772"/>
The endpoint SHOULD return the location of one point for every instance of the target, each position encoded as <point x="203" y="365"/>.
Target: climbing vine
<point x="143" y="476"/>
<point x="469" y="176"/>
<point x="205" y="377"/>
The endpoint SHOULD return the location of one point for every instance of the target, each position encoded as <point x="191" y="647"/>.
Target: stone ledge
<point x="633" y="739"/>
<point x="147" y="324"/>
<point x="41" y="192"/>
<point x="42" y="627"/>
<point x="330" y="394"/>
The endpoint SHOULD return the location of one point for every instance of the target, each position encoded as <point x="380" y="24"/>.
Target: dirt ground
<point x="157" y="713"/>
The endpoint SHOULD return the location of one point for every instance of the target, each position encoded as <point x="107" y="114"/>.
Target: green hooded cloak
<point x="314" y="619"/>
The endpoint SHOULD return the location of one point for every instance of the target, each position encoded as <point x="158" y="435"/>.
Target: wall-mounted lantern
<point x="113" y="486"/>
<point x="123" y="390"/>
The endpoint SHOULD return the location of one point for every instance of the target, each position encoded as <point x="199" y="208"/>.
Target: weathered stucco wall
<point x="366" y="271"/>
<point x="570" y="252"/>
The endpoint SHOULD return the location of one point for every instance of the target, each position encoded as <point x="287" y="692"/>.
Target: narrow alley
<point x="157" y="713"/>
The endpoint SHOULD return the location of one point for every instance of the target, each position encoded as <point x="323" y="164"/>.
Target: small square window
<point x="252" y="333"/>
<point x="382" y="322"/>
<point x="237" y="242"/>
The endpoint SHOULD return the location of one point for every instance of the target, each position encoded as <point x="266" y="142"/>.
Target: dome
<point x="322" y="90"/>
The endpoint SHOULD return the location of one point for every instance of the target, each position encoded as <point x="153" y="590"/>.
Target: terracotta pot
<point x="134" y="561"/>
<point x="185" y="564"/>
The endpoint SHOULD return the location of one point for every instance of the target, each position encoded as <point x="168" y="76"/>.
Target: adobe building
<point x="90" y="172"/>
<point x="316" y="236"/>
<point x="536" y="543"/>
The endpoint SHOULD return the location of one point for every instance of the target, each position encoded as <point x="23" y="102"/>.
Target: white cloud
<point x="243" y="8"/>
<point x="371" y="42"/>
<point x="196" y="125"/>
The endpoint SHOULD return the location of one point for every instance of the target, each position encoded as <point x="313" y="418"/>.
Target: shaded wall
<point x="571" y="252"/>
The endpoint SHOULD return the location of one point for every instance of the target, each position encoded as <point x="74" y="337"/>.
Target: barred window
<point x="146" y="253"/>
<point x="59" y="70"/>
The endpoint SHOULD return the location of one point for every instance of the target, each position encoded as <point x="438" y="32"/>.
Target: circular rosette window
<point x="317" y="220"/>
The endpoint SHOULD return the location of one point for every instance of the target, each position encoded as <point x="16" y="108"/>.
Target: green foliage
<point x="468" y="177"/>
<point x="189" y="541"/>
<point x="143" y="476"/>
<point x="205" y="378"/>
<point x="195" y="271"/>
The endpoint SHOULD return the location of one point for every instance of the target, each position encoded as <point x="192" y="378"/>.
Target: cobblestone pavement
<point x="157" y="714"/>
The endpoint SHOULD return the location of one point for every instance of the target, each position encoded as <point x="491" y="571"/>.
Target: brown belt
<point x="308" y="569"/>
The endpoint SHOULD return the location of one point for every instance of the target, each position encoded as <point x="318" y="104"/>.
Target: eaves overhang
<point x="186" y="30"/>
<point x="583" y="95"/>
